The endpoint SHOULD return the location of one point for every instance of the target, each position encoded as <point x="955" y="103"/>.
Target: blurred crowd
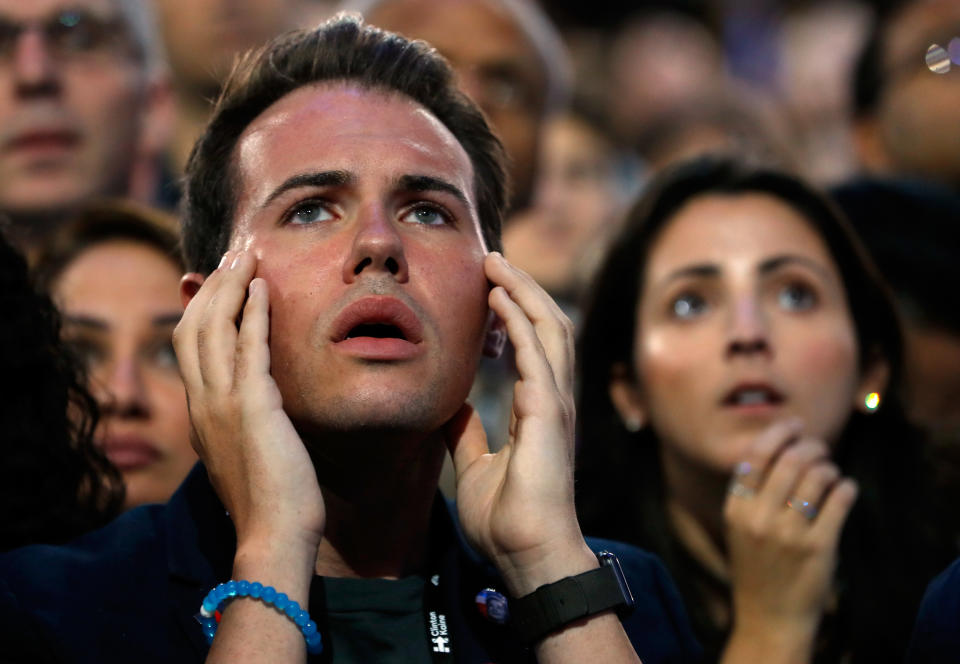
<point x="601" y="113"/>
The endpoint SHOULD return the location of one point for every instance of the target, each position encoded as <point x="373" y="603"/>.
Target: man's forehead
<point x="309" y="128"/>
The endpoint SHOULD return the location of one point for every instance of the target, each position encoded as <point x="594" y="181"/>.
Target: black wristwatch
<point x="550" y="607"/>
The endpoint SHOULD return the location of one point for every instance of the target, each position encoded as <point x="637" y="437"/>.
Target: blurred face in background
<point x="202" y="37"/>
<point x="918" y="117"/>
<point x="73" y="93"/>
<point x="577" y="203"/>
<point x="120" y="302"/>
<point x="496" y="65"/>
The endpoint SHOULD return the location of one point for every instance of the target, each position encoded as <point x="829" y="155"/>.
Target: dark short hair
<point x="106" y="220"/>
<point x="341" y="49"/>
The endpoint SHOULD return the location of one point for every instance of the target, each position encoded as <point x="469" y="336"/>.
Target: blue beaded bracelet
<point x="225" y="592"/>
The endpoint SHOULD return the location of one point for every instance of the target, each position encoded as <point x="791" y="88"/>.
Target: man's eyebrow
<point x="316" y="179"/>
<point x="429" y="183"/>
<point x="166" y="319"/>
<point x="775" y="263"/>
<point x="82" y="320"/>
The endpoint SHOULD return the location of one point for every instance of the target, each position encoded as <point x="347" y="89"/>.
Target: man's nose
<point x="122" y="389"/>
<point x="377" y="248"/>
<point x="35" y="69"/>
<point x="749" y="330"/>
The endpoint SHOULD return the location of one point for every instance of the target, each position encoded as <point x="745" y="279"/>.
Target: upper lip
<point x="729" y="397"/>
<point x="378" y="310"/>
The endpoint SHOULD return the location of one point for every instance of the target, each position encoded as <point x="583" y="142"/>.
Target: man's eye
<point x="688" y="305"/>
<point x="796" y="297"/>
<point x="427" y="215"/>
<point x="309" y="212"/>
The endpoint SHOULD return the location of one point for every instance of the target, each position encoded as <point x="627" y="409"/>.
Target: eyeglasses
<point x="71" y="34"/>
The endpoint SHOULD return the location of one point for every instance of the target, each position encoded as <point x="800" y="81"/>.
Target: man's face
<point x="497" y="67"/>
<point x="360" y="208"/>
<point x="71" y="97"/>
<point x="919" y="122"/>
<point x="202" y="37"/>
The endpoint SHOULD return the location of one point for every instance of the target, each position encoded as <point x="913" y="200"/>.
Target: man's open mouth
<point x="377" y="317"/>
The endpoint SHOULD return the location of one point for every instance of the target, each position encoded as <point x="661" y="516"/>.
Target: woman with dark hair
<point x="740" y="415"/>
<point x="114" y="271"/>
<point x="56" y="484"/>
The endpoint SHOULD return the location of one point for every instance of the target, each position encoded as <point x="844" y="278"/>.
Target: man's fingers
<point x="217" y="333"/>
<point x="185" y="334"/>
<point x="552" y="326"/>
<point x="531" y="360"/>
<point x="253" y="351"/>
<point x="465" y="438"/>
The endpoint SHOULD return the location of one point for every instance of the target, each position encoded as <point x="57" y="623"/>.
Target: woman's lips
<point x="130" y="452"/>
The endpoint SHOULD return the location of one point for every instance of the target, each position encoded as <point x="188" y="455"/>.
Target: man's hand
<point x="254" y="457"/>
<point x="784" y="516"/>
<point x="517" y="505"/>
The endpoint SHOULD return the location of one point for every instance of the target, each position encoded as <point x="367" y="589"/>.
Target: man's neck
<point x="378" y="508"/>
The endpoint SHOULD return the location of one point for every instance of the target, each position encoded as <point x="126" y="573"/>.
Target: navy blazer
<point x="129" y="591"/>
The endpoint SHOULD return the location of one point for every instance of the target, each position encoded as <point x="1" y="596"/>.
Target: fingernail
<point x="223" y="259"/>
<point x="254" y="286"/>
<point x="236" y="260"/>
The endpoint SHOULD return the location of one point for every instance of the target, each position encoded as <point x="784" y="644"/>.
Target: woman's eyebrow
<point x="776" y="262"/>
<point x="85" y="321"/>
<point x="697" y="270"/>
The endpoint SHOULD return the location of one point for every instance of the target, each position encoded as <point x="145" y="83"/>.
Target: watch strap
<point x="554" y="605"/>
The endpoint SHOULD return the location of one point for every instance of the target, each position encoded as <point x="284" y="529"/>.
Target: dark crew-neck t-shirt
<point x="371" y="620"/>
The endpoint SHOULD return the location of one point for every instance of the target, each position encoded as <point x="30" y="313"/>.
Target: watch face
<point x="607" y="559"/>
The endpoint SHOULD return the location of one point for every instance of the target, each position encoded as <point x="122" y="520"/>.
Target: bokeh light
<point x="938" y="60"/>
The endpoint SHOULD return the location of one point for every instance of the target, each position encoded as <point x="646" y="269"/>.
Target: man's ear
<point x="190" y="283"/>
<point x="873" y="380"/>
<point x="626" y="398"/>
<point x="496" y="338"/>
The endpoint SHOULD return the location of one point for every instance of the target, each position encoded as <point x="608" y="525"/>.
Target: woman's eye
<point x="688" y="305"/>
<point x="427" y="215"/>
<point x="796" y="297"/>
<point x="164" y="357"/>
<point x="309" y="212"/>
<point x="87" y="354"/>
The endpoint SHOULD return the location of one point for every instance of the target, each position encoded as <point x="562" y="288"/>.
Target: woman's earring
<point x="872" y="402"/>
<point x="633" y="423"/>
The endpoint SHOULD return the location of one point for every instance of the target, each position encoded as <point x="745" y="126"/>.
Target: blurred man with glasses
<point x="83" y="98"/>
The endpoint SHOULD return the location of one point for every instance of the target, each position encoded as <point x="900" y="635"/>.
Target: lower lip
<point x="375" y="348"/>
<point x="754" y="409"/>
<point x="131" y="457"/>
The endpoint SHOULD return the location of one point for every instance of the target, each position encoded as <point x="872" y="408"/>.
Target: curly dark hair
<point x="887" y="550"/>
<point x="57" y="485"/>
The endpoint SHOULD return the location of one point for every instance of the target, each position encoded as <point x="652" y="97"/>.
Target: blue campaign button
<point x="493" y="606"/>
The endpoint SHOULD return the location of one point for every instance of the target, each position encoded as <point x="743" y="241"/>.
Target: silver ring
<point x="807" y="509"/>
<point x="741" y="490"/>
